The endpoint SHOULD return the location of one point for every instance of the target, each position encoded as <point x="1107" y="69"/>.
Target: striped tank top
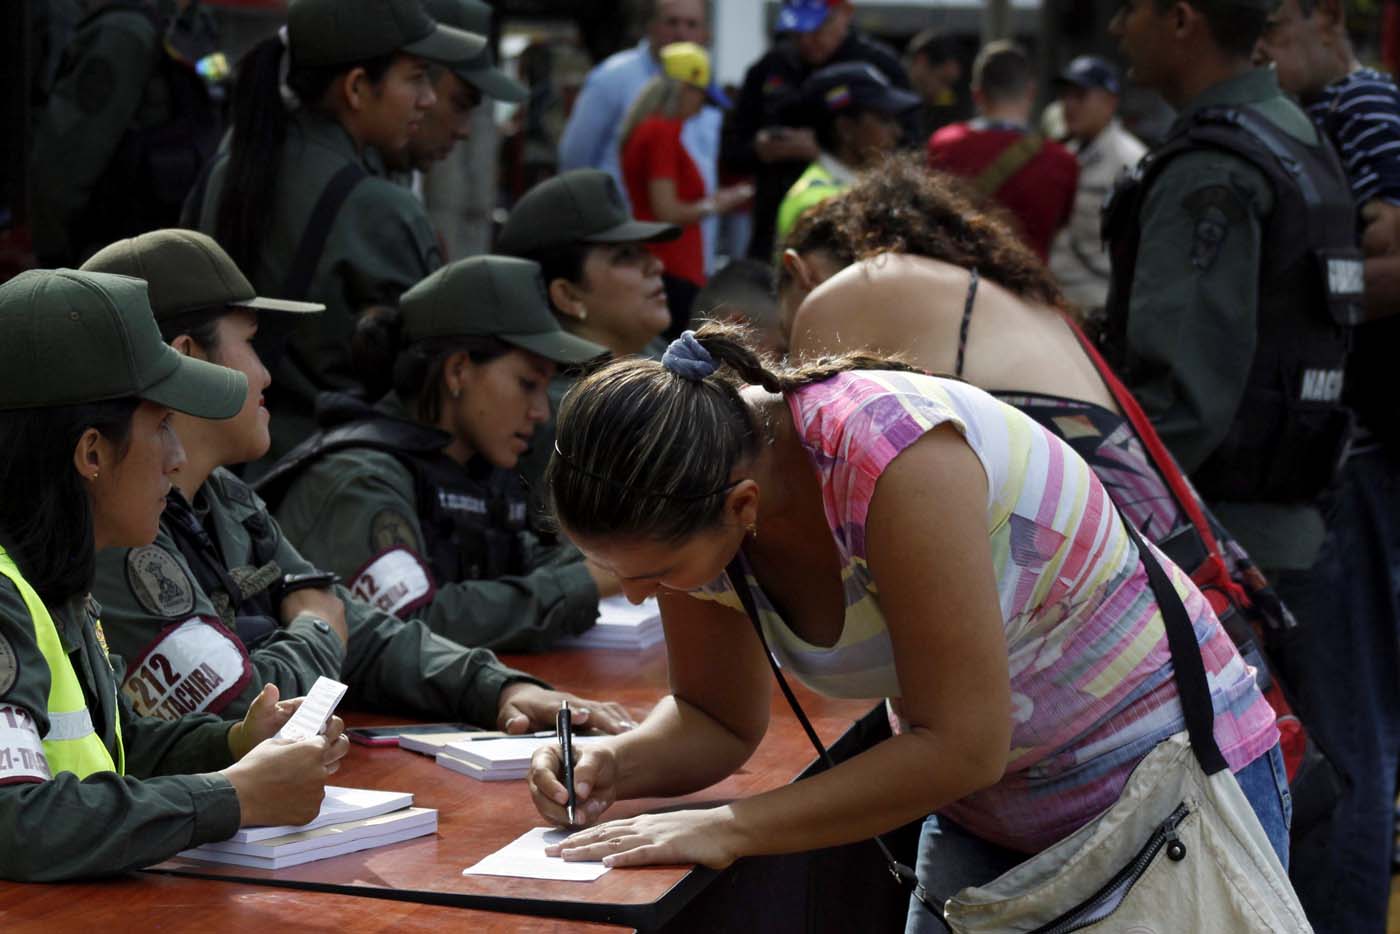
<point x="1091" y="674"/>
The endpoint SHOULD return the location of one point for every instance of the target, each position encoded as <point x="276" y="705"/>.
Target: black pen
<point x="564" y="727"/>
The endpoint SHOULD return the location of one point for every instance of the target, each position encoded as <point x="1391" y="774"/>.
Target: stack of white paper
<point x="524" y="858"/>
<point x="351" y="819"/>
<point x="621" y="625"/>
<point x="430" y="744"/>
<point x="498" y="760"/>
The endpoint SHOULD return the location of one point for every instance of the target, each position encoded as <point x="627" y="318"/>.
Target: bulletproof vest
<point x="1291" y="430"/>
<point x="472" y="518"/>
<point x="155" y="165"/>
<point x="243" y="595"/>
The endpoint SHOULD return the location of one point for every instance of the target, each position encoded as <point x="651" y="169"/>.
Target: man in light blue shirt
<point x="591" y="137"/>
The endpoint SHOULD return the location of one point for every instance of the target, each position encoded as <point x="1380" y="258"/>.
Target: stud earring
<point x="456" y="392"/>
<point x="752" y="528"/>
<point x="582" y="313"/>
<point x="93" y="478"/>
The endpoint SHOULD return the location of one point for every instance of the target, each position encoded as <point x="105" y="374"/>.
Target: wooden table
<point x="477" y="818"/>
<point x="166" y="903"/>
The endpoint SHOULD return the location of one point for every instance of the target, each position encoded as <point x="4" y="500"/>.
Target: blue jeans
<point x="1342" y="663"/>
<point x="951" y="859"/>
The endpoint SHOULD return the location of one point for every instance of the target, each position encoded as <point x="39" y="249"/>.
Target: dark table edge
<point x="647" y="916"/>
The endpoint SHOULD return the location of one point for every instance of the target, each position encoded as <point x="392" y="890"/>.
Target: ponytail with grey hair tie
<point x="688" y="358"/>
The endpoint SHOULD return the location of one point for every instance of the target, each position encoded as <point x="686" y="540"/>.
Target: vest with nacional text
<point x="1291" y="430"/>
<point x="71" y="744"/>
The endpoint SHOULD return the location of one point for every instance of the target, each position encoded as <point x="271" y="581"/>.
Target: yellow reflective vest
<point x="71" y="745"/>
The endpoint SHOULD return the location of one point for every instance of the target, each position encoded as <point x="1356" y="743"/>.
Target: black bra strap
<point x="966" y="322"/>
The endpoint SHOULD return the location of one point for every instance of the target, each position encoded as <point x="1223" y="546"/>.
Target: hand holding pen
<point x="564" y="728"/>
<point x="589" y="784"/>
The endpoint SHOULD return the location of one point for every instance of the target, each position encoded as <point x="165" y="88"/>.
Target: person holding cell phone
<point x="87" y="458"/>
<point x="222" y="601"/>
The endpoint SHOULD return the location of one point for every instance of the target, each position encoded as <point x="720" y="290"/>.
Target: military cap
<point x="492" y="296"/>
<point x="1089" y="72"/>
<point x="73" y="337"/>
<point x="581" y="206"/>
<point x="840" y="87"/>
<point x="480" y="70"/>
<point x="324" y="33"/>
<point x="187" y="271"/>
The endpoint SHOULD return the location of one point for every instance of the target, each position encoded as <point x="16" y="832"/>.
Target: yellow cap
<point x="688" y="62"/>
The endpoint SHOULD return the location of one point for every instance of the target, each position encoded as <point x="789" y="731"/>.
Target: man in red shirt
<point x="1034" y="178"/>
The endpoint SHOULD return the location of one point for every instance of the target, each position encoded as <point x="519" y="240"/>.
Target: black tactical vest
<point x="1292" y="430"/>
<point x="243" y="596"/>
<point x="472" y="517"/>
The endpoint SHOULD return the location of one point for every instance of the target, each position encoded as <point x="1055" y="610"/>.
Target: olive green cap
<point x="339" y="32"/>
<point x="186" y="271"/>
<point x="492" y="296"/>
<point x="480" y="71"/>
<point x="581" y="206"/>
<point x="73" y="337"/>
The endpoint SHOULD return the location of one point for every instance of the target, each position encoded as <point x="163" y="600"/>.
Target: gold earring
<point x="753" y="530"/>
<point x="582" y="313"/>
<point x="93" y="478"/>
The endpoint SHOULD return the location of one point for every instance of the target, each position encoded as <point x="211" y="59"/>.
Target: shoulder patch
<point x="391" y="529"/>
<point x="397" y="582"/>
<point x="9" y="666"/>
<point x="161" y="586"/>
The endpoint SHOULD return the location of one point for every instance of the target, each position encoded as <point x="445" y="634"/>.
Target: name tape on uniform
<point x="21" y="750"/>
<point x="195" y="666"/>
<point x="396" y="582"/>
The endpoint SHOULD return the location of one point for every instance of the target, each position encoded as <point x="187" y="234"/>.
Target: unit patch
<point x="9" y="666"/>
<point x="396" y="582"/>
<point x="390" y="529"/>
<point x="21" y="750"/>
<point x="161" y="586"/>
<point x="192" y="667"/>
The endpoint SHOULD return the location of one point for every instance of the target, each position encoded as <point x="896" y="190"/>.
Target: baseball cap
<point x="73" y="337"/>
<point x="338" y="32"/>
<point x="1090" y="71"/>
<point x="187" y="271"/>
<point x="492" y="296"/>
<point x="855" y="84"/>
<point x="690" y="63"/>
<point x="581" y="206"/>
<point x="804" y="15"/>
<point x="480" y="70"/>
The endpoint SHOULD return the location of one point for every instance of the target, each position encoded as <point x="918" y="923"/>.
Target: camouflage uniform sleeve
<point x="354" y="513"/>
<point x="402" y="665"/>
<point x="92" y="104"/>
<point x="55" y="828"/>
<point x="149" y="593"/>
<point x="1195" y="295"/>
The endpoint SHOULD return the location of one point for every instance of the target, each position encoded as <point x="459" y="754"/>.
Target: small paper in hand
<point x="315" y="711"/>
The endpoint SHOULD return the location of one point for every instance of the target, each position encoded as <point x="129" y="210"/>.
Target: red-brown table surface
<point x="156" y="903"/>
<point x="477" y="818"/>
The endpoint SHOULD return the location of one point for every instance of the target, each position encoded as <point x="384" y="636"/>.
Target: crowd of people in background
<point x="822" y="333"/>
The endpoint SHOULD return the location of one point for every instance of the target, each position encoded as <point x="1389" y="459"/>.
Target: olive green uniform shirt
<point x="380" y="244"/>
<point x="67" y="829"/>
<point x="108" y="89"/>
<point x="1194" y="323"/>
<point x="341" y="508"/>
<point x="389" y="663"/>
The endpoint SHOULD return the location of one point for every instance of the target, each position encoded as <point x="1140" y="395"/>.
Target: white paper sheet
<point x="523" y="858"/>
<point x="315" y="711"/>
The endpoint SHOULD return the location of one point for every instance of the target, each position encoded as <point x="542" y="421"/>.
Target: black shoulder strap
<point x="318" y="230"/>
<point x="903" y="874"/>
<point x="966" y="322"/>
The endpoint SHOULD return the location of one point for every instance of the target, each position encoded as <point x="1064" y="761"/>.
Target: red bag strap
<point x="1165" y="463"/>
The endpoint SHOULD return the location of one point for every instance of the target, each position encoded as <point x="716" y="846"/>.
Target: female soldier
<point x="222" y="593"/>
<point x="293" y="199"/>
<point x="904" y="536"/>
<point x="86" y="458"/>
<point x="416" y="500"/>
<point x="601" y="281"/>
